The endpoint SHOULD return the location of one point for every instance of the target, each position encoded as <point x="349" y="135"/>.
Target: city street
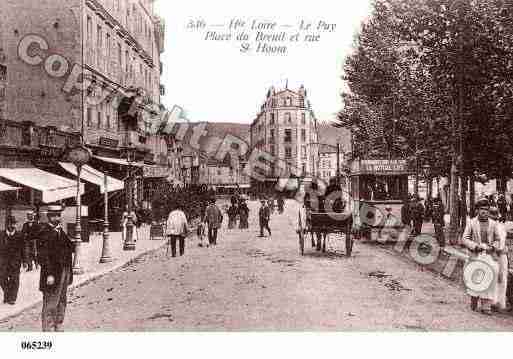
<point x="250" y="283"/>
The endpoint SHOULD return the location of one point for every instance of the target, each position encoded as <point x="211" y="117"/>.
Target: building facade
<point x="328" y="162"/>
<point x="89" y="69"/>
<point x="286" y="128"/>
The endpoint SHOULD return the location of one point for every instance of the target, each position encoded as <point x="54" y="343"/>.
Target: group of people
<point x="38" y="244"/>
<point x="238" y="210"/>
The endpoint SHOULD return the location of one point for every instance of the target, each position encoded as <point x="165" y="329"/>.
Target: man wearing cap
<point x="213" y="219"/>
<point x="484" y="237"/>
<point x="30" y="231"/>
<point x="11" y="255"/>
<point x="56" y="260"/>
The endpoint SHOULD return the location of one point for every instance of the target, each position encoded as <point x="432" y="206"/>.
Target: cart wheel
<point x="301" y="243"/>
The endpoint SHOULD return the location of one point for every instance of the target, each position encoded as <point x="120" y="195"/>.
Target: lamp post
<point x="129" y="244"/>
<point x="79" y="156"/>
<point x="106" y="256"/>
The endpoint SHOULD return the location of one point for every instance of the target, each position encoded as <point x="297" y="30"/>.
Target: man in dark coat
<point x="30" y="231"/>
<point x="417" y="216"/>
<point x="264" y="214"/>
<point x="11" y="256"/>
<point x="56" y="260"/>
<point x="406" y="213"/>
<point x="437" y="215"/>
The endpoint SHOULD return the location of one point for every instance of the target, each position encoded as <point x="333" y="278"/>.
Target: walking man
<point x="418" y="216"/>
<point x="30" y="232"/>
<point x="437" y="215"/>
<point x="11" y="255"/>
<point x="213" y="219"/>
<point x="264" y="213"/>
<point x="56" y="260"/>
<point x="177" y="229"/>
<point x="244" y="214"/>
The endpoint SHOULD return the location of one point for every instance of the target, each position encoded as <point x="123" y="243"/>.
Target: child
<point x="200" y="232"/>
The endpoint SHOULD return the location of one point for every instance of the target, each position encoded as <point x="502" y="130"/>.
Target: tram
<point x="378" y="189"/>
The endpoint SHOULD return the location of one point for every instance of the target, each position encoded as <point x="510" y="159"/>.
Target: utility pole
<point x="338" y="163"/>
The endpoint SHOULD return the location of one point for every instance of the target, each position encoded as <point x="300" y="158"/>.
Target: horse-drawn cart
<point x="322" y="224"/>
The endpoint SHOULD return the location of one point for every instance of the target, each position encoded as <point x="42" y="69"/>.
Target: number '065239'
<point x="35" y="345"/>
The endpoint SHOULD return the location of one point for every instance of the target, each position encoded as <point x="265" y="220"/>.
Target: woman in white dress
<point x="500" y="302"/>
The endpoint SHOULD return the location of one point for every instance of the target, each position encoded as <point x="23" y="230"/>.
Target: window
<point x="303" y="118"/>
<point x="272" y="118"/>
<point x="287" y="117"/>
<point x="303" y="135"/>
<point x="303" y="151"/>
<point x="273" y="151"/>
<point x="303" y="169"/>
<point x="289" y="100"/>
<point x="99" y="45"/>
<point x="3" y="73"/>
<point x="89" y="116"/>
<point x="109" y="45"/>
<point x="107" y="125"/>
<point x="288" y="152"/>
<point x="284" y="102"/>
<point x="99" y="120"/>
<point x="219" y="172"/>
<point x="89" y="29"/>
<point x="271" y="137"/>
<point x="288" y="135"/>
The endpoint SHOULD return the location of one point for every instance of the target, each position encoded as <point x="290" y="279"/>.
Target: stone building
<point x="286" y="128"/>
<point x="328" y="162"/>
<point x="90" y="69"/>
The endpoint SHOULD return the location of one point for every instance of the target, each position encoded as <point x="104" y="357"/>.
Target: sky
<point x="215" y="82"/>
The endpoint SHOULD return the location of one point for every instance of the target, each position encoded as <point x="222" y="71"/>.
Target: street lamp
<point x="106" y="256"/>
<point x="79" y="156"/>
<point x="129" y="244"/>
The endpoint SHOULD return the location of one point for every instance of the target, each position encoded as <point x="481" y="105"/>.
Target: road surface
<point x="248" y="283"/>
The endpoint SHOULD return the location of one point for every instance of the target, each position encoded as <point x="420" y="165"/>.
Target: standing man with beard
<point x="56" y="260"/>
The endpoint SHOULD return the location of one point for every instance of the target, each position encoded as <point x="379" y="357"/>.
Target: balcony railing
<point x="19" y="134"/>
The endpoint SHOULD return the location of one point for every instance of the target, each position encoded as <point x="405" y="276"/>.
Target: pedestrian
<point x="270" y="203"/>
<point x="11" y="256"/>
<point x="502" y="208"/>
<point x="30" y="233"/>
<point x="406" y="214"/>
<point x="417" y="216"/>
<point x="56" y="260"/>
<point x="243" y="214"/>
<point x="264" y="215"/>
<point x="213" y="219"/>
<point x="176" y="229"/>
<point x="428" y="209"/>
<point x="281" y="204"/>
<point x="501" y="300"/>
<point x="437" y="216"/>
<point x="487" y="242"/>
<point x="124" y="223"/>
<point x="233" y="211"/>
<point x="200" y="233"/>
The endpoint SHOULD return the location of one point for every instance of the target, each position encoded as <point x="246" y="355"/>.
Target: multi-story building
<point x="328" y="163"/>
<point x="87" y="68"/>
<point x="286" y="128"/>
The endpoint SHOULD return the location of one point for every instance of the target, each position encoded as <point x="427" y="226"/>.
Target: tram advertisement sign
<point x="380" y="166"/>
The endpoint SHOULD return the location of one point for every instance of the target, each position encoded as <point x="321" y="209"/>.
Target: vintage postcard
<point x="255" y="166"/>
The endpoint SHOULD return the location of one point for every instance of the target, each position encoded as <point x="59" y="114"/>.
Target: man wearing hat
<point x="56" y="260"/>
<point x="213" y="219"/>
<point x="487" y="241"/>
<point x="264" y="214"/>
<point x="11" y="255"/>
<point x="30" y="231"/>
<point x="437" y="216"/>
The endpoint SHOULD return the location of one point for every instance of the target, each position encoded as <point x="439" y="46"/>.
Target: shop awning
<point x="94" y="176"/>
<point x="119" y="161"/>
<point x="5" y="187"/>
<point x="52" y="187"/>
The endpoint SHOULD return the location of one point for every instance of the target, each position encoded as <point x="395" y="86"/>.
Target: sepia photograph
<point x="255" y="167"/>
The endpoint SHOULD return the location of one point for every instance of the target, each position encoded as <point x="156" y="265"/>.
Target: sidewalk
<point x="29" y="294"/>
